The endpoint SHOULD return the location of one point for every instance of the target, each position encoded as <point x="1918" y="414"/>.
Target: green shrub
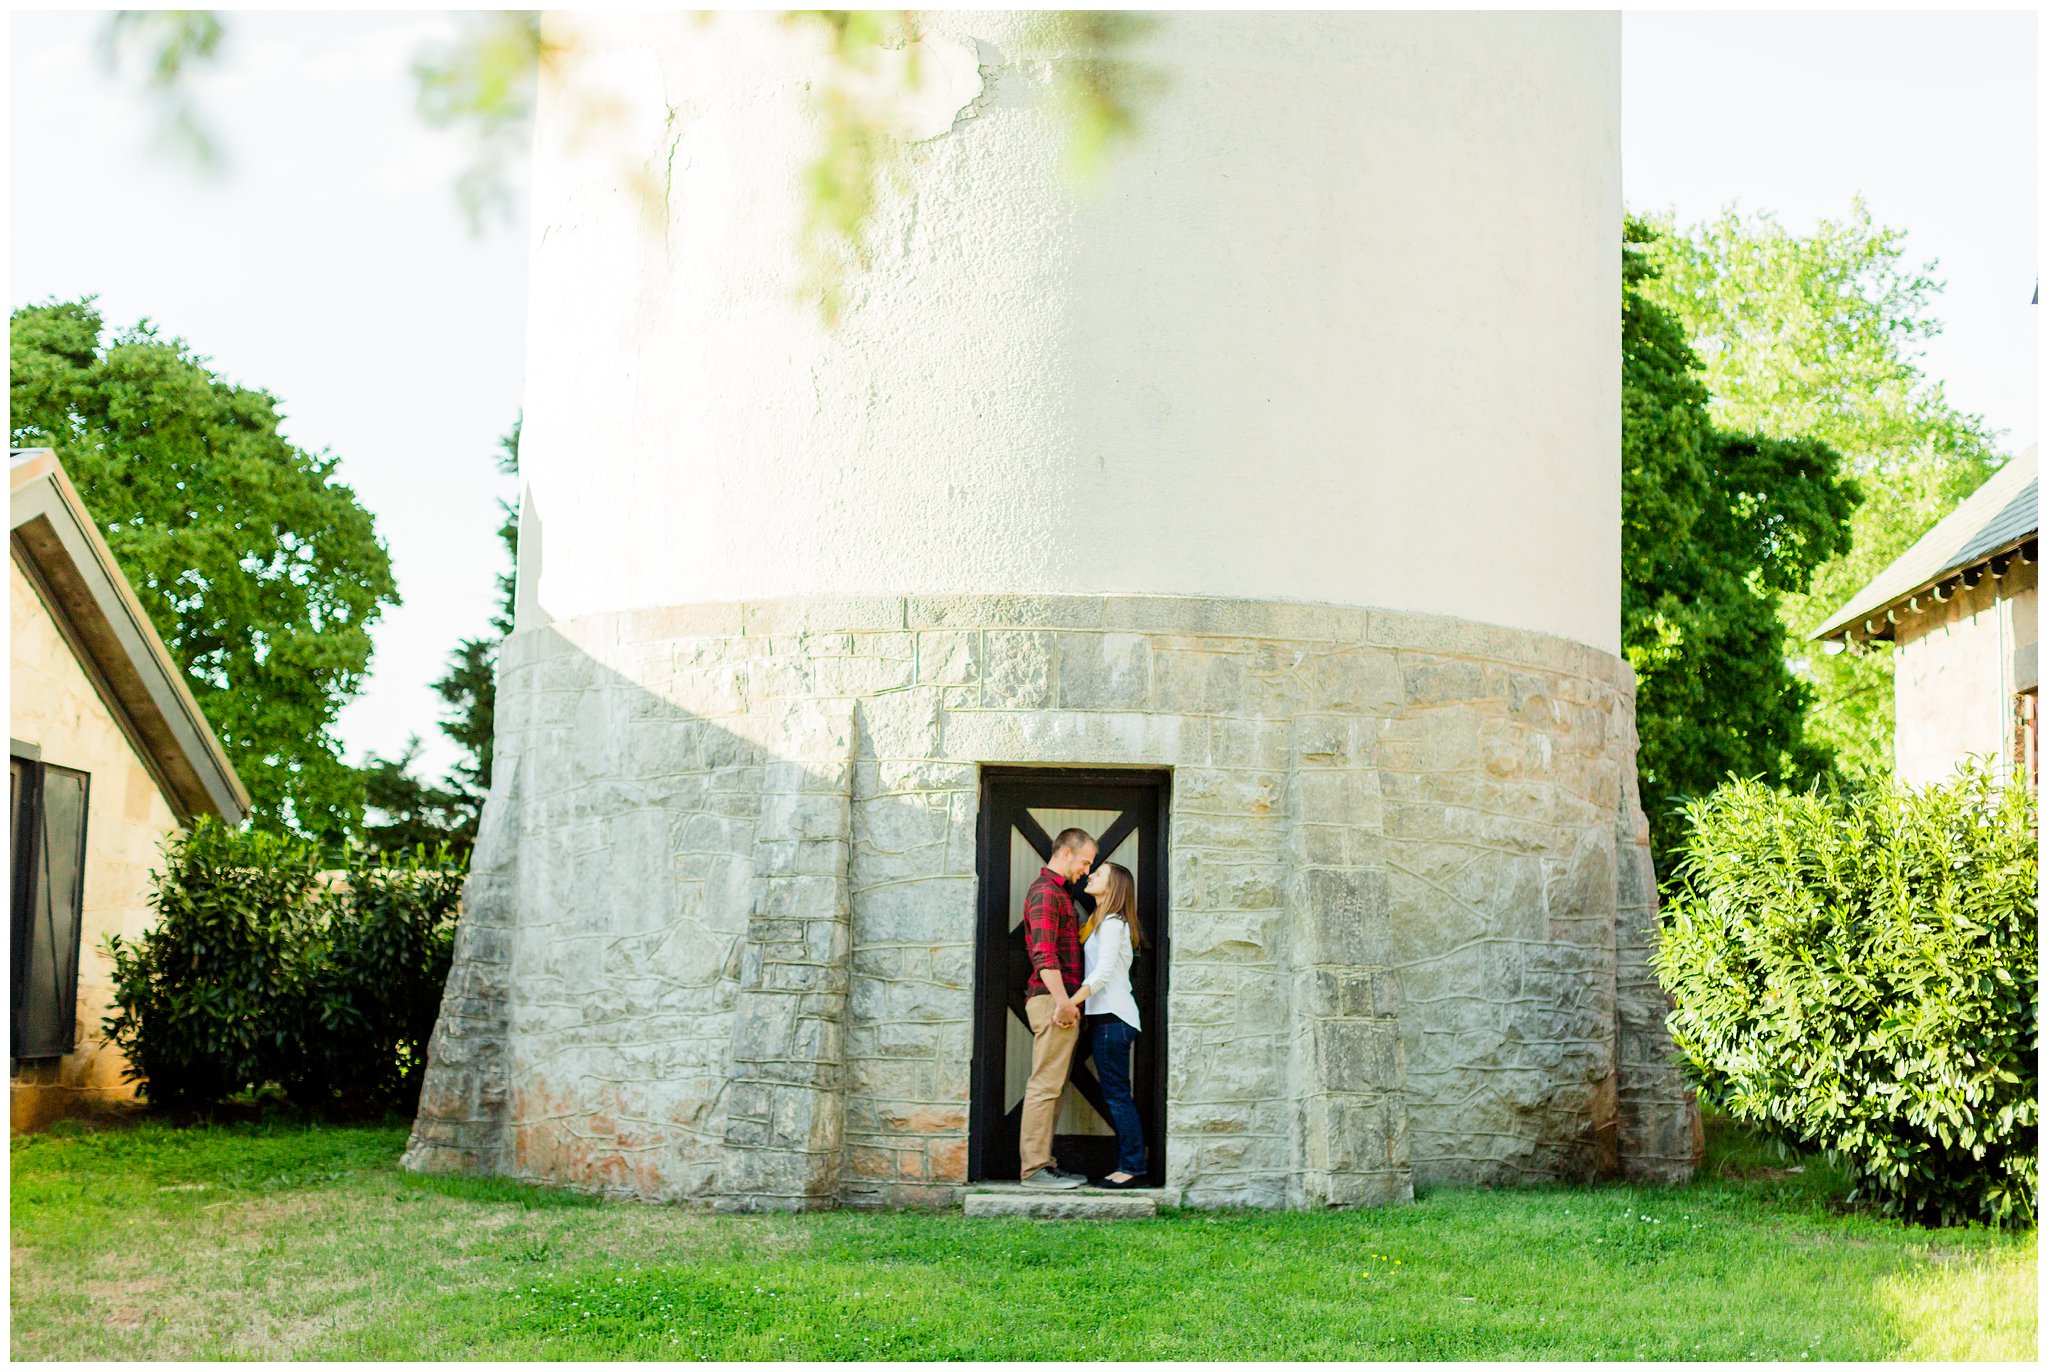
<point x="204" y="999"/>
<point x="1857" y="973"/>
<point x="375" y="985"/>
<point x="257" y="972"/>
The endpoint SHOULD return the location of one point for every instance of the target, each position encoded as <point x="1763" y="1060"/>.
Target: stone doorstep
<point x="1009" y="1199"/>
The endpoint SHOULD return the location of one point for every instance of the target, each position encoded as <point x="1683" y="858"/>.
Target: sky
<point x="328" y="262"/>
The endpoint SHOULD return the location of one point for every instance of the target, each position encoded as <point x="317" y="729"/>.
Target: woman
<point x="1110" y="1017"/>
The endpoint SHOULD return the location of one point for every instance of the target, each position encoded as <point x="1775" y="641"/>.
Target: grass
<point x="285" y="1240"/>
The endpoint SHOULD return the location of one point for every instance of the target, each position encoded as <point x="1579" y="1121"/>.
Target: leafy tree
<point x="261" y="571"/>
<point x="1819" y="337"/>
<point x="1715" y="527"/>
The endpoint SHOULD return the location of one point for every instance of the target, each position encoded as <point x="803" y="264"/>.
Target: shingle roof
<point x="2001" y="514"/>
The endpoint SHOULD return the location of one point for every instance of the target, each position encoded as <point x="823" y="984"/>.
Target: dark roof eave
<point x="96" y="610"/>
<point x="1844" y="630"/>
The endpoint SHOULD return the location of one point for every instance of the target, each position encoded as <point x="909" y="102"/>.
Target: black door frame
<point x="992" y="992"/>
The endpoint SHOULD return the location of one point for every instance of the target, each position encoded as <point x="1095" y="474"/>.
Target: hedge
<point x="259" y="971"/>
<point x="1856" y="973"/>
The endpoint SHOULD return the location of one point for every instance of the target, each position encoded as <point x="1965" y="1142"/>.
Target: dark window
<point x="46" y="808"/>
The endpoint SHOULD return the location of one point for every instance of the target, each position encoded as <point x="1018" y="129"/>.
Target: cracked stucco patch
<point x="948" y="87"/>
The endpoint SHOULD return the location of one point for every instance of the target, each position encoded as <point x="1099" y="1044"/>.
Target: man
<point x="1052" y="937"/>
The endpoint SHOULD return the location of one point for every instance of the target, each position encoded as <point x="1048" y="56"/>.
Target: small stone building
<point x="1255" y="506"/>
<point x="108" y="756"/>
<point x="1962" y="607"/>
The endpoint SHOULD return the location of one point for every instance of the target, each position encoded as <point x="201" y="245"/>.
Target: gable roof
<point x="98" y="614"/>
<point x="1999" y="516"/>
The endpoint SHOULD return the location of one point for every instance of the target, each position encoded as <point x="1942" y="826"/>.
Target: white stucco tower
<point x="1257" y="502"/>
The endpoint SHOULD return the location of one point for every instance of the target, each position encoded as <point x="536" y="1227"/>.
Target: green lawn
<point x="288" y="1241"/>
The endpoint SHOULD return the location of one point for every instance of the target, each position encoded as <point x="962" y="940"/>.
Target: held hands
<point x="1066" y="1014"/>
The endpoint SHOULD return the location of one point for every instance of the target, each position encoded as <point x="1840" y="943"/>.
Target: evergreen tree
<point x="403" y="812"/>
<point x="470" y="684"/>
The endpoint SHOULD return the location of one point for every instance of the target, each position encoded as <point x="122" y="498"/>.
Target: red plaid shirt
<point x="1051" y="935"/>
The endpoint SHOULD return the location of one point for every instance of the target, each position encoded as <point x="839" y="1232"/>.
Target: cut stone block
<point x="1016" y="1201"/>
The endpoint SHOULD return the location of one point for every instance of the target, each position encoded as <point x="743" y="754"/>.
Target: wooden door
<point x="1021" y="809"/>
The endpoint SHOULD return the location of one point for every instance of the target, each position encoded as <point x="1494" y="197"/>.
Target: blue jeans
<point x="1109" y="1043"/>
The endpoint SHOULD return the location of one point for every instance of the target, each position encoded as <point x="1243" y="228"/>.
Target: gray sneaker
<point x="1050" y="1179"/>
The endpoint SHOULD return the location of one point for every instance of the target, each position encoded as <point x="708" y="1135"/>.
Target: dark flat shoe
<point x="1134" y="1184"/>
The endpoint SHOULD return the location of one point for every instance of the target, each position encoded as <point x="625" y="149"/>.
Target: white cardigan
<point x="1106" y="972"/>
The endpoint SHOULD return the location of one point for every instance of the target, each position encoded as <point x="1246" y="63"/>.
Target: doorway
<point x="1021" y="809"/>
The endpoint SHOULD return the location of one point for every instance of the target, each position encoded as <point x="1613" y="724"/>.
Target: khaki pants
<point x="1052" y="1056"/>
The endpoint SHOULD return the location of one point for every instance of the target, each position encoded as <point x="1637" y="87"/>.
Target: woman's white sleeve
<point x="1093" y="985"/>
<point x="1116" y="957"/>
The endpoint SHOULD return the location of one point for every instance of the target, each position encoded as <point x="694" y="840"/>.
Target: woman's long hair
<point x="1121" y="898"/>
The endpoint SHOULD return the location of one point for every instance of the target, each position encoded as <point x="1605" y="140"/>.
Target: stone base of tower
<point x="718" y="944"/>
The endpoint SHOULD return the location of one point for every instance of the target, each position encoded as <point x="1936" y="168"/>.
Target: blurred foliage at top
<point x="484" y="84"/>
<point x="167" y="44"/>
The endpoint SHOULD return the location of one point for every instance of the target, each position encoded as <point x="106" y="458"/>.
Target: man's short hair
<point x="1072" y="841"/>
